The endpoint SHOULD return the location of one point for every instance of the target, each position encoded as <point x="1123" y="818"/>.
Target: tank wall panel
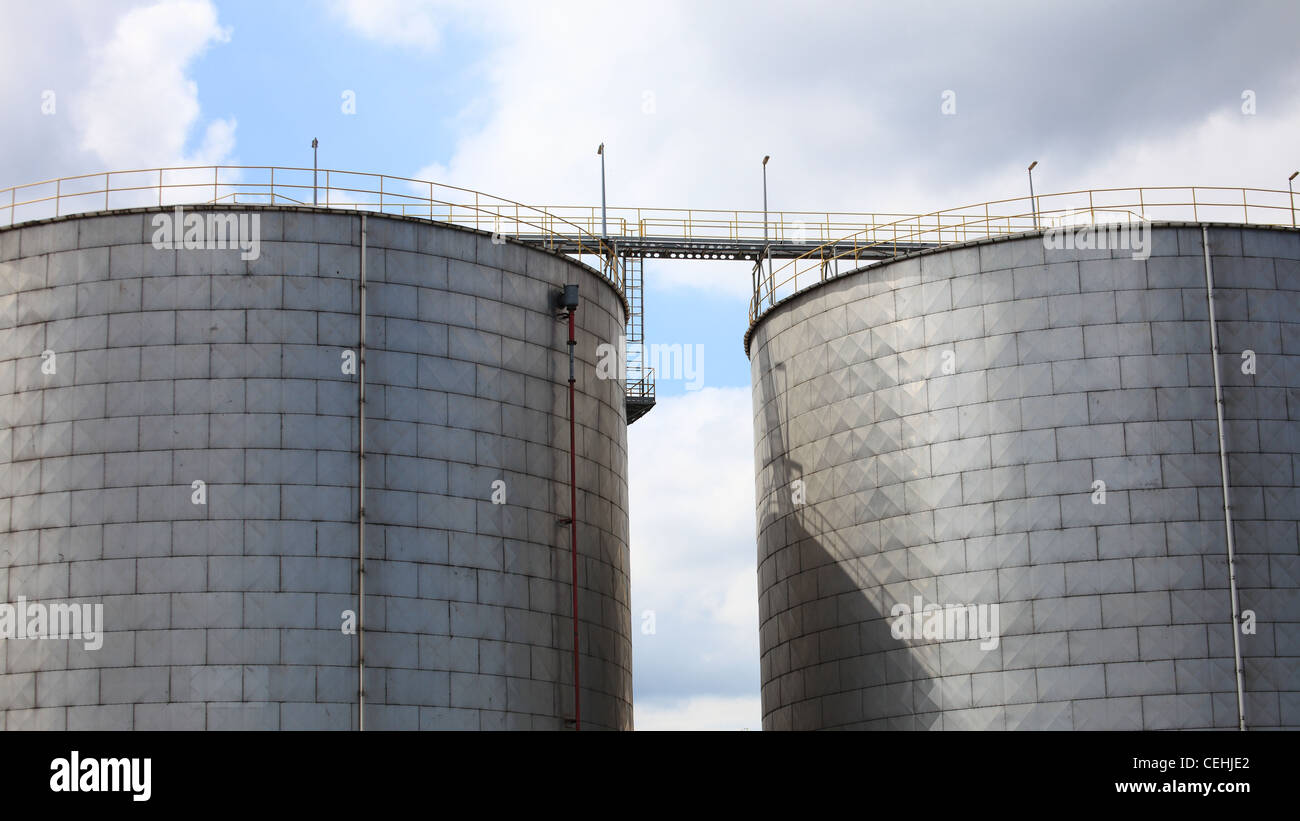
<point x="175" y="366"/>
<point x="934" y="428"/>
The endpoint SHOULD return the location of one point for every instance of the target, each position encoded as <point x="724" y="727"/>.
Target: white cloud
<point x="693" y="558"/>
<point x="123" y="94"/>
<point x="689" y="97"/>
<point x="1261" y="149"/>
<point x="711" y="502"/>
<point x="699" y="713"/>
<point x="416" y="23"/>
<point x="140" y="107"/>
<point x="739" y="605"/>
<point x="732" y="279"/>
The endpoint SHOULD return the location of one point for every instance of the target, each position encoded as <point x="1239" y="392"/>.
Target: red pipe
<point x="573" y="530"/>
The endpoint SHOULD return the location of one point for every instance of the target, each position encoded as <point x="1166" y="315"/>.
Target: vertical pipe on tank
<point x="1223" y="471"/>
<point x="573" y="531"/>
<point x="567" y="302"/>
<point x="361" y="496"/>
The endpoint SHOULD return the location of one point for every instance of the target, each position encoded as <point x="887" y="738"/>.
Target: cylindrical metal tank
<point x="129" y="372"/>
<point x="932" y="431"/>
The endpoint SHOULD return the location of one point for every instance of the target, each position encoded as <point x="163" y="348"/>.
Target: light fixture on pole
<point x="604" y="233"/>
<point x="1292" y="190"/>
<point x="314" y="143"/>
<point x="767" y="248"/>
<point x="1032" y="202"/>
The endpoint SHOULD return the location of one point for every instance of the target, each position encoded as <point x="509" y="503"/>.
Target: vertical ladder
<point x="639" y="384"/>
<point x="632" y="285"/>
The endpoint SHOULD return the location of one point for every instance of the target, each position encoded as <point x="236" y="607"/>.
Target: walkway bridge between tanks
<point x="810" y="246"/>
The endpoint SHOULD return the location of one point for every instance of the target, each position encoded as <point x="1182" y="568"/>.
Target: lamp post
<point x="1292" y="191"/>
<point x="1032" y="202"/>
<point x="604" y="233"/>
<point x="314" y="143"/>
<point x="767" y="248"/>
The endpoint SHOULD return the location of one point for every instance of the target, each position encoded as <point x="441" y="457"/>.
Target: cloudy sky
<point x="688" y="95"/>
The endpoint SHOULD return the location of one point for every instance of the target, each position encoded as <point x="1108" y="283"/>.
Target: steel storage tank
<point x="130" y="372"/>
<point x="931" y="431"/>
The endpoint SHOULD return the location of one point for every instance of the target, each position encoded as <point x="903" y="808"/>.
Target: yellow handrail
<point x="1015" y="215"/>
<point x="463" y="206"/>
<point x="381" y="192"/>
<point x="835" y="235"/>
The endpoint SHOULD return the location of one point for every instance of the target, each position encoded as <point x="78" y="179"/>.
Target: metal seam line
<point x="361" y="496"/>
<point x="1223" y="471"/>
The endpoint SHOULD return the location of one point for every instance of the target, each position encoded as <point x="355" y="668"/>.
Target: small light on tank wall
<point x="567" y="298"/>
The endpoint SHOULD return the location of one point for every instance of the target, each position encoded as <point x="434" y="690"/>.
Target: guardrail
<point x="838" y="236"/>
<point x="642" y="387"/>
<point x="640" y="395"/>
<point x="281" y="185"/>
<point x="735" y="225"/>
<point x="333" y="188"/>
<point x="1250" y="206"/>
